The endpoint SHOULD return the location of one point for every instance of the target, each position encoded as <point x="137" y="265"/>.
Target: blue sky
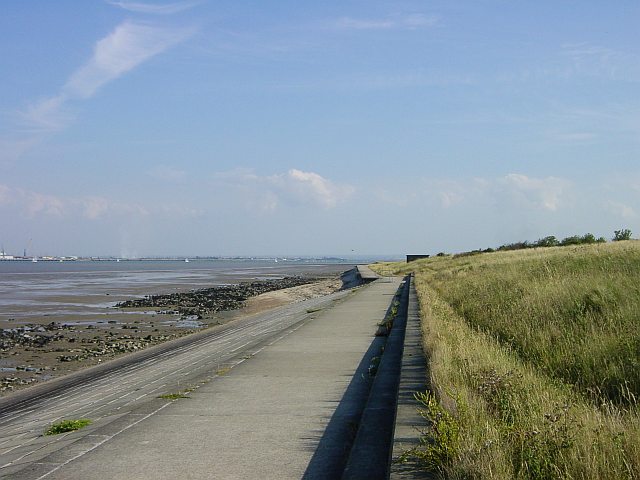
<point x="238" y="128"/>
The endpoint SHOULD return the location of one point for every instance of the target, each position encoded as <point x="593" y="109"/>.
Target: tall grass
<point x="536" y="356"/>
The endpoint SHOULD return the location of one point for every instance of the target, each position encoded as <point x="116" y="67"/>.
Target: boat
<point x="186" y="260"/>
<point x="34" y="259"/>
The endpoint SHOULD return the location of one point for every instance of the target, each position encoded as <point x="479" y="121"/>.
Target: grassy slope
<point x="536" y="354"/>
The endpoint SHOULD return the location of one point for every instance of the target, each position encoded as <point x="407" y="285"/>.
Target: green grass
<point x="535" y="354"/>
<point x="67" y="426"/>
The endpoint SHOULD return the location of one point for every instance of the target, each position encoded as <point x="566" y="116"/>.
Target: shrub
<point x="550" y="241"/>
<point x="624" y="234"/>
<point x="573" y="240"/>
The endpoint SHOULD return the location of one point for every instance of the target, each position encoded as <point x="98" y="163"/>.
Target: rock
<point x="206" y="301"/>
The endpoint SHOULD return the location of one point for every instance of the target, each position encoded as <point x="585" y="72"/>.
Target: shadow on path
<point x="366" y="410"/>
<point x="332" y="452"/>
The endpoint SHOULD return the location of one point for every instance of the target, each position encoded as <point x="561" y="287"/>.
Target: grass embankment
<point x="535" y="362"/>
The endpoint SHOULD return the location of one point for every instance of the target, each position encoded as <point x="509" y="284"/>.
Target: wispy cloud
<point x="596" y="60"/>
<point x="13" y="146"/>
<point x="129" y="45"/>
<point x="155" y="9"/>
<point x="407" y="22"/>
<point x="47" y="115"/>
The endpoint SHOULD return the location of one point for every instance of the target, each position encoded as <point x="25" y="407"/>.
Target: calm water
<point x="58" y="289"/>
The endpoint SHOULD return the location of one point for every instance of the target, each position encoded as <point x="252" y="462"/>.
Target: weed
<point x="67" y="426"/>
<point x="384" y="327"/>
<point x="440" y="444"/>
<point x="173" y="396"/>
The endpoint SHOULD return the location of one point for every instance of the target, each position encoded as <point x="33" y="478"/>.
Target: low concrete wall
<point x="366" y="274"/>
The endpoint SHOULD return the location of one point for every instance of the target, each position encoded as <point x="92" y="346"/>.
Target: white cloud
<point x="450" y="198"/>
<point x="309" y="187"/>
<point x="621" y="210"/>
<point x="294" y="187"/>
<point x="39" y="203"/>
<point x="95" y="207"/>
<point x="546" y="193"/>
<point x="5" y="195"/>
<point x="448" y="193"/>
<point x="168" y="174"/>
<point x="155" y="9"/>
<point x="512" y="190"/>
<point x="180" y="211"/>
<point x="408" y="22"/>
<point x="34" y="204"/>
<point x="269" y="202"/>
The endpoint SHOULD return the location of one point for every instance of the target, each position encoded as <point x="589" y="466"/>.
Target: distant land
<point x="189" y="258"/>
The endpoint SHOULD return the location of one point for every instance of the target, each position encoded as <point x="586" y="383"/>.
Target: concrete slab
<point x="290" y="411"/>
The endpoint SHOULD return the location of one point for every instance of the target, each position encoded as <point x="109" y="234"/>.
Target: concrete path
<point x="121" y="390"/>
<point x="289" y="411"/>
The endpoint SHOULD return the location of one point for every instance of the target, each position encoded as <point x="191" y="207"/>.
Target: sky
<point x="202" y="127"/>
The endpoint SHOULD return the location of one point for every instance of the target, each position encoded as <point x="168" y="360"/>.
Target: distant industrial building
<point x="4" y="256"/>
<point x="411" y="258"/>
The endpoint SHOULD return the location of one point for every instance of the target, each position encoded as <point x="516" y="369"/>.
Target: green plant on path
<point x="173" y="396"/>
<point x="67" y="426"/>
